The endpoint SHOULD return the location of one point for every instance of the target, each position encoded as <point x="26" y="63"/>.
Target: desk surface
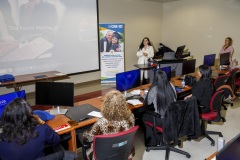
<point x="144" y="66"/>
<point x="28" y="78"/>
<point x="97" y="102"/>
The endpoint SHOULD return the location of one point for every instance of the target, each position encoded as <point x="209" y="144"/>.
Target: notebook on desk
<point x="81" y="112"/>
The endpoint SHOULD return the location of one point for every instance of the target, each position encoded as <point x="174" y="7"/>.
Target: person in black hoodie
<point x="203" y="90"/>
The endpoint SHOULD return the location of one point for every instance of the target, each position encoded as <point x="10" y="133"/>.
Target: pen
<point x="83" y="119"/>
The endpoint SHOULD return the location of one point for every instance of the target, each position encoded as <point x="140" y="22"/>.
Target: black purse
<point x="190" y="80"/>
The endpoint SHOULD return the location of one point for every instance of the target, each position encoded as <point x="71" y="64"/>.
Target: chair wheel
<point x="188" y="156"/>
<point x="220" y="135"/>
<point x="231" y="104"/>
<point x="213" y="144"/>
<point x="223" y="119"/>
<point x="147" y="150"/>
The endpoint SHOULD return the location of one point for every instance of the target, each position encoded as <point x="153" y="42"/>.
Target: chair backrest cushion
<point x="114" y="146"/>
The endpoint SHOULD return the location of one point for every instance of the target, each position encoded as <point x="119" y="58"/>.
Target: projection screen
<point x="46" y="35"/>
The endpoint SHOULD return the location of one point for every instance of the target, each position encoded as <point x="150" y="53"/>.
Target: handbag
<point x="190" y="80"/>
<point x="6" y="78"/>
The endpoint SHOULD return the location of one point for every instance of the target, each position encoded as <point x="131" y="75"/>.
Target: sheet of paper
<point x="60" y="74"/>
<point x="134" y="101"/>
<point x="95" y="114"/>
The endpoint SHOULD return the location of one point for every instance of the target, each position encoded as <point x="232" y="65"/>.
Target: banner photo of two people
<point x="112" y="51"/>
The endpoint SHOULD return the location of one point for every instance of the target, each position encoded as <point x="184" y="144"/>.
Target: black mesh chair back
<point x="232" y="78"/>
<point x="221" y="80"/>
<point x="216" y="104"/>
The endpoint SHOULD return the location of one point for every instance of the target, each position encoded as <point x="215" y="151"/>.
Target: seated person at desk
<point x="145" y="51"/>
<point x="24" y="135"/>
<point x="161" y="94"/>
<point x="117" y="117"/>
<point x="203" y="90"/>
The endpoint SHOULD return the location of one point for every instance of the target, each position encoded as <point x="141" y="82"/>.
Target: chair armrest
<point x="155" y="114"/>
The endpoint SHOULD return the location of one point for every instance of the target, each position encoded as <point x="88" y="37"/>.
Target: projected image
<point x="111" y="38"/>
<point x="37" y="32"/>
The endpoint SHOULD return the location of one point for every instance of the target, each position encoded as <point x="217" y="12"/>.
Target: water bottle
<point x="183" y="82"/>
<point x="221" y="143"/>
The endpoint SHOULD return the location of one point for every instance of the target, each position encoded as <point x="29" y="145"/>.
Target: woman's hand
<point x="145" y="54"/>
<point x="38" y="119"/>
<point x="142" y="93"/>
<point x="185" y="98"/>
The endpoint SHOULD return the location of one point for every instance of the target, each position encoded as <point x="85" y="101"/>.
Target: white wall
<point x="202" y="25"/>
<point x="141" y="19"/>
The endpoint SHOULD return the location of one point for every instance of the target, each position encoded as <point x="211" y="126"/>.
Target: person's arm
<point x="132" y="120"/>
<point x="151" y="95"/>
<point x="231" y="54"/>
<point x="174" y="90"/>
<point x="52" y="138"/>
<point x="89" y="134"/>
<point x="151" y="52"/>
<point x="139" y="53"/>
<point x="185" y="98"/>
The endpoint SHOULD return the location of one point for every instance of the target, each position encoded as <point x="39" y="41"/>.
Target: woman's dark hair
<point x="165" y="92"/>
<point x="18" y="122"/>
<point x="142" y="45"/>
<point x="206" y="72"/>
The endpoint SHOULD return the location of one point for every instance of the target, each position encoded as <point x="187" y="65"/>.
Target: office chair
<point x="175" y="125"/>
<point x="118" y="146"/>
<point x="236" y="81"/>
<point x="213" y="115"/>
<point x="219" y="82"/>
<point x="232" y="83"/>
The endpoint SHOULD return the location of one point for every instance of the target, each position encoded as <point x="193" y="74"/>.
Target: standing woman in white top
<point x="227" y="47"/>
<point x="145" y="51"/>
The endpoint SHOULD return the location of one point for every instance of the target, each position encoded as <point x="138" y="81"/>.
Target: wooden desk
<point x="30" y="79"/>
<point x="212" y="156"/>
<point x="96" y="102"/>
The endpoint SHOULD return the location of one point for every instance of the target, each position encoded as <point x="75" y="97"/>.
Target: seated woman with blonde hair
<point x="116" y="117"/>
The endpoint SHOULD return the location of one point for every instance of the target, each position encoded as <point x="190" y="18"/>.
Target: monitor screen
<point x="209" y="59"/>
<point x="188" y="66"/>
<point x="167" y="70"/>
<point x="179" y="51"/>
<point x="128" y="80"/>
<point x="7" y="98"/>
<point x="54" y="93"/>
<point x="231" y="150"/>
<point x="224" y="58"/>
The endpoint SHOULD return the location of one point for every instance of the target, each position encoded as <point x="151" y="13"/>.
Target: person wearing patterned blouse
<point x="116" y="117"/>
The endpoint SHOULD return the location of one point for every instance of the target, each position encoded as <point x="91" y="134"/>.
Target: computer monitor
<point x="168" y="71"/>
<point x="7" y="98"/>
<point x="188" y="66"/>
<point x="179" y="51"/>
<point x="128" y="80"/>
<point x="224" y="58"/>
<point x="231" y="150"/>
<point x="209" y="59"/>
<point x="54" y="93"/>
